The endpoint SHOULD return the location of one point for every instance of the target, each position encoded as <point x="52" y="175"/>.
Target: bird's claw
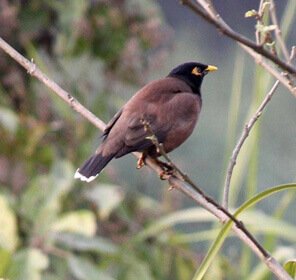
<point x="168" y="166"/>
<point x="165" y="174"/>
<point x="171" y="187"/>
<point x="141" y="162"/>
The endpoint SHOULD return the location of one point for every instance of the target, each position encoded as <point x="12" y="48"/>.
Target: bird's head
<point x="192" y="73"/>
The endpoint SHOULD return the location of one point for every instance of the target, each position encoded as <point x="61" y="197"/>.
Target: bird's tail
<point x="92" y="167"/>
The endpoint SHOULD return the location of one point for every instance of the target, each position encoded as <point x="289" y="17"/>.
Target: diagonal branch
<point x="242" y="140"/>
<point x="255" y="117"/>
<point x="226" y="30"/>
<point x="278" y="32"/>
<point x="279" y="76"/>
<point x="180" y="174"/>
<point x="177" y="183"/>
<point x="33" y="70"/>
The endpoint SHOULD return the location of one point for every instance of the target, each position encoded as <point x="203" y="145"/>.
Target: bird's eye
<point x="196" y="71"/>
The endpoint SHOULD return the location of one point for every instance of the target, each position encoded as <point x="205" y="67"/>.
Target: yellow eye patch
<point x="196" y="71"/>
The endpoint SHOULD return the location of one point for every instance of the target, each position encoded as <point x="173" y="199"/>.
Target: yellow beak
<point x="211" y="68"/>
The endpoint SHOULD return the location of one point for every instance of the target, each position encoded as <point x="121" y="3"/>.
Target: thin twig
<point x="182" y="186"/>
<point x="226" y="30"/>
<point x="34" y="71"/>
<point x="241" y="141"/>
<point x="209" y="7"/>
<point x="186" y="178"/>
<point x="293" y="53"/>
<point x="278" y="32"/>
<point x="259" y="17"/>
<point x="284" y="81"/>
<point x="245" y="134"/>
<point x="252" y="48"/>
<point x="211" y="14"/>
<point x="270" y="262"/>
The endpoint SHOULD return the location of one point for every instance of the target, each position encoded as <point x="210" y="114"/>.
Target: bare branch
<point x="34" y="71"/>
<point x="279" y="76"/>
<point x="210" y="14"/>
<point x="182" y="186"/>
<point x="226" y="30"/>
<point x="241" y="141"/>
<point x="278" y="32"/>
<point x="179" y="173"/>
<point x="293" y="53"/>
<point x="259" y="17"/>
<point x="270" y="262"/>
<point x="259" y="111"/>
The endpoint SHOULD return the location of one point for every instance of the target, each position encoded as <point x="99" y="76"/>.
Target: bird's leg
<point x="141" y="160"/>
<point x="166" y="166"/>
<point x="167" y="169"/>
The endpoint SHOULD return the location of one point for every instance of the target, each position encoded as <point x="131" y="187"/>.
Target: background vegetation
<point x="126" y="225"/>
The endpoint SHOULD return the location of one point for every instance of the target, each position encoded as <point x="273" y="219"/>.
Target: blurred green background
<point x="126" y="225"/>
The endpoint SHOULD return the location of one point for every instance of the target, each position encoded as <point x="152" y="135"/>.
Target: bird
<point x="170" y="105"/>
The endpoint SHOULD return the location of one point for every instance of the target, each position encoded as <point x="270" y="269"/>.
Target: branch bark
<point x="210" y="10"/>
<point x="207" y="11"/>
<point x="278" y="31"/>
<point x="180" y="185"/>
<point x="241" y="141"/>
<point x="33" y="70"/>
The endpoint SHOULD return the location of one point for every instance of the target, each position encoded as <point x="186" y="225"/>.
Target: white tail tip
<point x="78" y="175"/>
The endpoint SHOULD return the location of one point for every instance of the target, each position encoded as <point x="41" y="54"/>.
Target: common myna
<point x="170" y="106"/>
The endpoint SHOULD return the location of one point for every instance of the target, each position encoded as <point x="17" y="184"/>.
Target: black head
<point x="192" y="73"/>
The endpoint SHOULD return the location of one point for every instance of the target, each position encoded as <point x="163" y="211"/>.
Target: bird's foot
<point x="167" y="169"/>
<point x="166" y="166"/>
<point x="165" y="174"/>
<point x="141" y="161"/>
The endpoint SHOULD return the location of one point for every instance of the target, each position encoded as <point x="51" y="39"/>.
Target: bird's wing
<point x="171" y="121"/>
<point x="111" y="123"/>
<point x="135" y="136"/>
<point x="164" y="104"/>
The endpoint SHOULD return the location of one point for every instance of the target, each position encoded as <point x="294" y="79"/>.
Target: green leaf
<point x="255" y="220"/>
<point x="251" y="13"/>
<point x="281" y="254"/>
<point x="81" y="222"/>
<point x="84" y="269"/>
<point x="84" y="243"/>
<point x="61" y="178"/>
<point x="290" y="267"/>
<point x="5" y="258"/>
<point x="184" y="267"/>
<point x="33" y="198"/>
<point x="41" y="202"/>
<point x="8" y="120"/>
<point x="265" y="28"/>
<point x="106" y="198"/>
<point x="194" y="237"/>
<point x="28" y="264"/>
<point x="226" y="228"/>
<point x="288" y="18"/>
<point x="259" y="222"/>
<point x="191" y="215"/>
<point x="8" y="232"/>
<point x="137" y="269"/>
<point x="220" y="268"/>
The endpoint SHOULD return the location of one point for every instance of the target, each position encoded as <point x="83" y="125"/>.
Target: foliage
<point x="55" y="228"/>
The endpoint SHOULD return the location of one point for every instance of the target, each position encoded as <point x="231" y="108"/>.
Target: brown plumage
<point x="171" y="107"/>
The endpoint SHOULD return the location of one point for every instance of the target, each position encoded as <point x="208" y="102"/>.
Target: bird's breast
<point x="183" y="122"/>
